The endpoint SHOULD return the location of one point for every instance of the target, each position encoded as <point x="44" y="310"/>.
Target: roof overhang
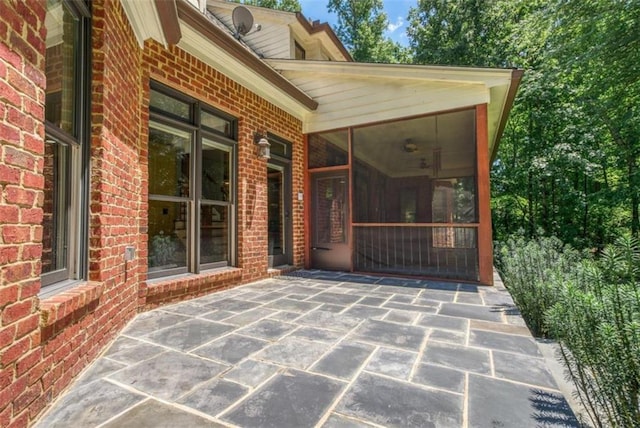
<point x="353" y="94"/>
<point x="179" y="22"/>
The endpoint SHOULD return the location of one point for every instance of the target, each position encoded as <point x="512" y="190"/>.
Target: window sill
<point x="67" y="307"/>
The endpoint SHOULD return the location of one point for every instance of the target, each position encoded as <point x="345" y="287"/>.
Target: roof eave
<point x="516" y="78"/>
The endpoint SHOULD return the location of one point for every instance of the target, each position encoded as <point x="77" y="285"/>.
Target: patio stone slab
<point x="189" y="334"/>
<point x="291" y="399"/>
<point x="469" y="298"/>
<point x="233" y="305"/>
<point x="90" y="405"/>
<point x="142" y="351"/>
<point x="335" y="298"/>
<point x="293" y="352"/>
<point x="344" y="360"/>
<point x="443" y="322"/>
<point x="324" y="319"/>
<point x="499" y="327"/>
<point x="361" y="311"/>
<point x="292" y="305"/>
<point x="232" y="348"/>
<point x="120" y="344"/>
<point x="448" y="336"/>
<point x="386" y="333"/>
<point x="249" y="316"/>
<point x="214" y="397"/>
<point x="153" y="321"/>
<point x="497" y="403"/>
<point x="397" y="404"/>
<point x="457" y="357"/>
<point x="372" y="301"/>
<point x="504" y="342"/>
<point x="392" y="362"/>
<point x="251" y="373"/>
<point x="338" y="421"/>
<point x="189" y="308"/>
<point x="317" y="334"/>
<point x="154" y="414"/>
<point x="336" y="309"/>
<point x="267" y="329"/>
<point x="523" y="368"/>
<point x="470" y="311"/>
<point x="439" y="377"/>
<point x="101" y="368"/>
<point x="219" y="315"/>
<point x="432" y="309"/>
<point x="401" y="317"/>
<point x="169" y="375"/>
<point x="437" y="295"/>
<point x="285" y="316"/>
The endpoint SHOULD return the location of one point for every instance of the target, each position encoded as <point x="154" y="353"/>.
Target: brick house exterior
<point x="48" y="338"/>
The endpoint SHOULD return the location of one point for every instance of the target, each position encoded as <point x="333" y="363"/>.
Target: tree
<point x="284" y="5"/>
<point x="361" y="26"/>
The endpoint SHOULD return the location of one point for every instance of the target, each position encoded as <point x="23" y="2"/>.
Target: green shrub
<point x="597" y="321"/>
<point x="534" y="272"/>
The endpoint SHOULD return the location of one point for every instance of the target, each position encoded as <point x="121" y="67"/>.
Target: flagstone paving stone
<point x="322" y="349"/>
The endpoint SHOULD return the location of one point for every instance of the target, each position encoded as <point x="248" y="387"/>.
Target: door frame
<point x="287" y="257"/>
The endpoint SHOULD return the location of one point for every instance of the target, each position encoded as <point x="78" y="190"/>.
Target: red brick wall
<point x="21" y="161"/>
<point x="189" y="75"/>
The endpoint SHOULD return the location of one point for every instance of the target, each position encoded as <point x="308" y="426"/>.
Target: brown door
<point x="330" y="247"/>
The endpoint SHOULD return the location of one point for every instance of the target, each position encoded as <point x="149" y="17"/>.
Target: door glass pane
<point x="60" y="60"/>
<point x="216" y="161"/>
<point x="275" y="188"/>
<point x="55" y="207"/>
<point x="331" y="210"/>
<point x="169" y="161"/>
<point x="168" y="225"/>
<point x="214" y="233"/>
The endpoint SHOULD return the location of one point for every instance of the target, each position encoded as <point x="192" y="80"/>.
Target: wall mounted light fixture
<point x="264" y="151"/>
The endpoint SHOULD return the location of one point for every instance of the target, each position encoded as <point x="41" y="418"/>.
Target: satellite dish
<point x="242" y="20"/>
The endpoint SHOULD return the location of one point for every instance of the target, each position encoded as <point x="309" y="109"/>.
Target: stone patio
<point x="322" y="349"/>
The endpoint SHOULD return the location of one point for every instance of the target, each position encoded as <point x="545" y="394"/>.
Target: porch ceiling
<point x="353" y="94"/>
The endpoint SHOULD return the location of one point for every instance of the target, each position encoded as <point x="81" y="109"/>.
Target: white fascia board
<point x="197" y="45"/>
<point x="144" y="20"/>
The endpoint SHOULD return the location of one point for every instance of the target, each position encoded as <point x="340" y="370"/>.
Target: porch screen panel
<point x="414" y="203"/>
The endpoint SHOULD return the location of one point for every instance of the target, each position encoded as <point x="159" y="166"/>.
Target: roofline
<point x="318" y="27"/>
<point x="196" y="19"/>
<point x="516" y="78"/>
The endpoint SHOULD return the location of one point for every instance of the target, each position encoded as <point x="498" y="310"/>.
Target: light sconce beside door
<point x="264" y="151"/>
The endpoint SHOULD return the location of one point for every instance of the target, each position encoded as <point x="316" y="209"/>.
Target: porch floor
<point x="322" y="349"/>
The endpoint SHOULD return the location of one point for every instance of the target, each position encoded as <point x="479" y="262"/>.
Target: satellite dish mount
<point x="242" y="21"/>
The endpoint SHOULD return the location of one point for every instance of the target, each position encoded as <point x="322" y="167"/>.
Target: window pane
<point x="170" y="105"/>
<point x="168" y="225"/>
<point x="169" y="161"/>
<point x="214" y="233"/>
<point x="280" y="148"/>
<point x="55" y="222"/>
<point x="275" y="200"/>
<point x="60" y="67"/>
<point x="216" y="160"/>
<point x="328" y="149"/>
<point x="216" y="123"/>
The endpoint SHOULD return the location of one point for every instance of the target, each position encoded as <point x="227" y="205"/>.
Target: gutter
<point x="516" y="78"/>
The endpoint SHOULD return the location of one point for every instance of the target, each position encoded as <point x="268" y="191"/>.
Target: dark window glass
<point x="169" y="161"/>
<point x="61" y="66"/>
<point x="216" y="123"/>
<point x="168" y="225"/>
<point x="216" y="160"/>
<point x="328" y="149"/>
<point x="170" y="105"/>
<point x="214" y="233"/>
<point x="300" y="52"/>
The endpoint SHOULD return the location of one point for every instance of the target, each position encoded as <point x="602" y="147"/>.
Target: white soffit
<point x="351" y="94"/>
<point x="144" y="19"/>
<point x="197" y="45"/>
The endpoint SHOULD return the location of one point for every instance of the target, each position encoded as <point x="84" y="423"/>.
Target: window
<point x="299" y="52"/>
<point x="192" y="152"/>
<point x="67" y="115"/>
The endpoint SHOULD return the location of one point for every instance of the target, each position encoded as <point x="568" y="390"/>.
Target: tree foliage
<point x="284" y="5"/>
<point x="361" y="26"/>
